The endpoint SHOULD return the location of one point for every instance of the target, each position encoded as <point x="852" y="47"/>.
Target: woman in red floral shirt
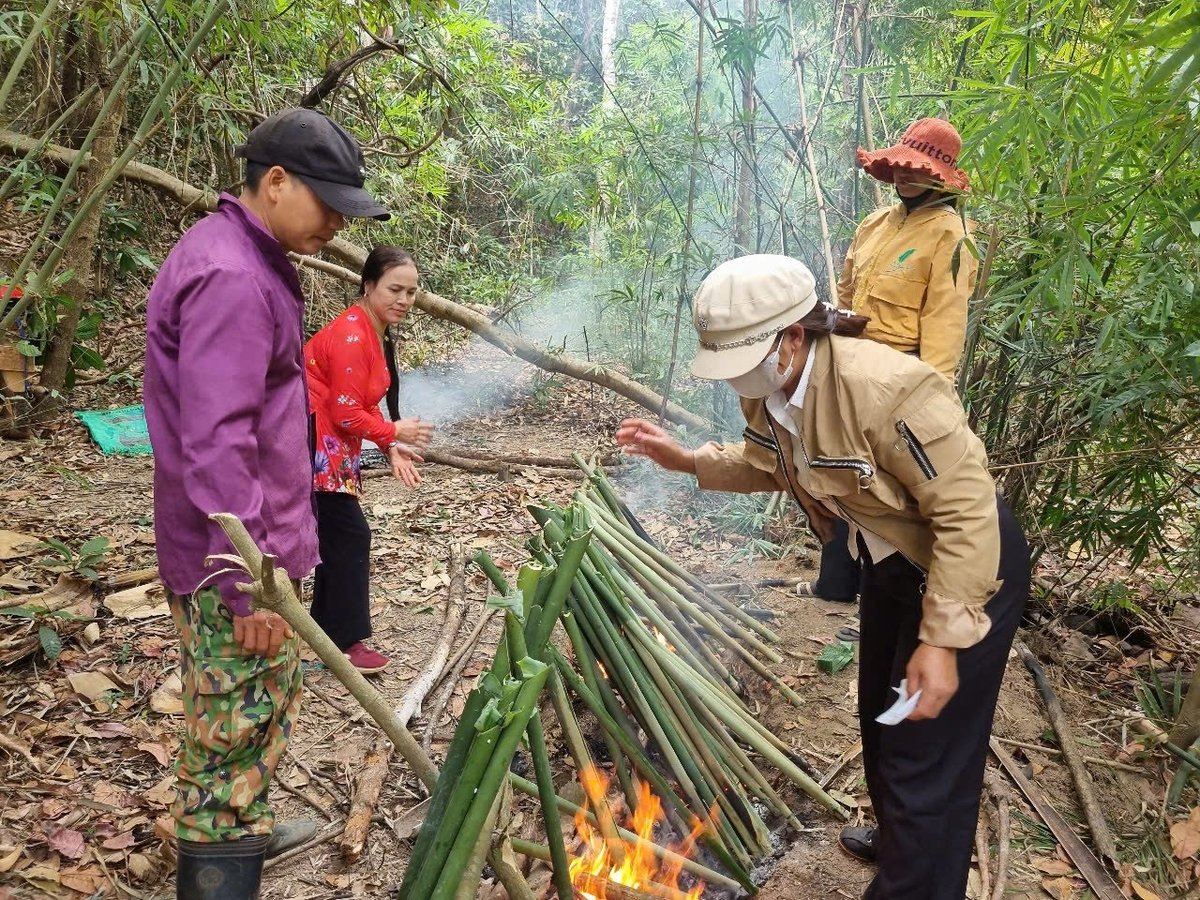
<point x="348" y="375"/>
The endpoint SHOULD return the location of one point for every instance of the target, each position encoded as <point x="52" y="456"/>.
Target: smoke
<point x="569" y="317"/>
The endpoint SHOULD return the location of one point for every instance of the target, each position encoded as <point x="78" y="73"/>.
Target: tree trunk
<point x="608" y="61"/>
<point x="745" y="181"/>
<point x="195" y="200"/>
<point x="80" y="255"/>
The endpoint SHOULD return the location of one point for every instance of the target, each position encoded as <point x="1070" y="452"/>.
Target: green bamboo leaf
<point x="51" y="642"/>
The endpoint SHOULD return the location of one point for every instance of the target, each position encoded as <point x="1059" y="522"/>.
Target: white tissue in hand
<point x="902" y="708"/>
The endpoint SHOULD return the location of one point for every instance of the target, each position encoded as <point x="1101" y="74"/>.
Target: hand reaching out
<point x="413" y="431"/>
<point x="638" y="437"/>
<point x="402" y="459"/>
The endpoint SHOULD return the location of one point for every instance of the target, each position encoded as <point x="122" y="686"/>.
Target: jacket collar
<point x="272" y="251"/>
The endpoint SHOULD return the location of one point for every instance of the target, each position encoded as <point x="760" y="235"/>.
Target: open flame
<point x="631" y="864"/>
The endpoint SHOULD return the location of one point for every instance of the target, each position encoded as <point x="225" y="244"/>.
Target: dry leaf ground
<point x="91" y="736"/>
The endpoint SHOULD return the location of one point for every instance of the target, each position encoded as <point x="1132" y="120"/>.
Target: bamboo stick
<point x="715" y="602"/>
<point x="587" y="666"/>
<point x="1074" y="759"/>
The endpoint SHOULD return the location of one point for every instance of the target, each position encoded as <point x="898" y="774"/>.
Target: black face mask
<point x="911" y="203"/>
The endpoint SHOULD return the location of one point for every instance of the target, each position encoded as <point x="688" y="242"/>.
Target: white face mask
<point x="764" y="379"/>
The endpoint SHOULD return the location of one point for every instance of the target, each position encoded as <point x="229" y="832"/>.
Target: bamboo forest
<point x="601" y="449"/>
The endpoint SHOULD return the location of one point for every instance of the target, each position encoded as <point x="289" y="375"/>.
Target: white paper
<point x="902" y="708"/>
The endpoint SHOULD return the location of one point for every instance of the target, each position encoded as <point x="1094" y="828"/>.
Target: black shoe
<point x="288" y="835"/>
<point x="225" y="870"/>
<point x="859" y="843"/>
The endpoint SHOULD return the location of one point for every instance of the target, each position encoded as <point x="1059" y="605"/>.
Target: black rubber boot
<point x="226" y="870"/>
<point x="858" y="842"/>
<point x="288" y="835"/>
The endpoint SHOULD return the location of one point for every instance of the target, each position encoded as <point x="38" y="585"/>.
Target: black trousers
<point x="925" y="777"/>
<point x="342" y="587"/>
<point x="840" y="572"/>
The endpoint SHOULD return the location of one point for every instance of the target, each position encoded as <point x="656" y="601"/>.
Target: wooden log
<point x="195" y="200"/>
<point x="366" y="794"/>
<point x="375" y="769"/>
<point x="410" y="704"/>
<point x="1085" y="861"/>
<point x="998" y="791"/>
<point x="1101" y="834"/>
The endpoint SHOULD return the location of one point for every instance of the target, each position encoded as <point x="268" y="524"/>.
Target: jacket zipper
<point x="917" y="451"/>
<point x="784" y="467"/>
<point x="865" y="470"/>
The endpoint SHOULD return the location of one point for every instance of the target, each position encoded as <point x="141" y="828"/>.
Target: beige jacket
<point x="899" y="271"/>
<point x="887" y="439"/>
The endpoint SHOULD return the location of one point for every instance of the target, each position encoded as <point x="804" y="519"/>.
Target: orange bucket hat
<point x="928" y="145"/>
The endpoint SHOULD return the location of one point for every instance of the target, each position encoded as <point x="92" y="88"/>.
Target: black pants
<point x="342" y="588"/>
<point x="924" y="777"/>
<point x="840" y="572"/>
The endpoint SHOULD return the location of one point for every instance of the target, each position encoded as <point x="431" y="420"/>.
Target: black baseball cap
<point x="320" y="153"/>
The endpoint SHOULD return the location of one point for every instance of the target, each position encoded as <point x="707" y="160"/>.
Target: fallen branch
<point x="1085" y="861"/>
<point x="983" y="854"/>
<point x="323" y="837"/>
<point x="362" y="806"/>
<point x="1090" y="760"/>
<point x="194" y="199"/>
<point x="998" y="791"/>
<point x="410" y="704"/>
<point x="1073" y="757"/>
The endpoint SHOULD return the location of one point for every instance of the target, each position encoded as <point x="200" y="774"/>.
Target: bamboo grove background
<point x="632" y="145"/>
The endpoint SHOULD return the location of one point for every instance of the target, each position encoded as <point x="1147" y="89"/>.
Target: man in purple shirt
<point x="227" y="406"/>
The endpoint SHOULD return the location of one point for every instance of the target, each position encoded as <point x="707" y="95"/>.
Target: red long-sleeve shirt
<point x="347" y="377"/>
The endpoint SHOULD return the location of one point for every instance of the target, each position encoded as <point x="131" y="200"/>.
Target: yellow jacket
<point x="899" y="272"/>
<point x="887" y="439"/>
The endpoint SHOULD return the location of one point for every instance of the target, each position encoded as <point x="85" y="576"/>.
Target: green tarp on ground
<point x="118" y="431"/>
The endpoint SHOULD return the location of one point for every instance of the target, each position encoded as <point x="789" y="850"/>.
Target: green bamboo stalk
<point x="750" y="731"/>
<point x="619" y="590"/>
<point x="493" y="776"/>
<point x="671" y="800"/>
<point x="560" y="866"/>
<point x="686" y="640"/>
<point x="617" y="659"/>
<point x="715" y="600"/>
<point x="710" y="777"/>
<point x="587" y="666"/>
<point x="419" y="881"/>
<point x="653" y="583"/>
<point x="714" y="620"/>
<point x="577" y="747"/>
<point x="452" y="768"/>
<point x="31" y="39"/>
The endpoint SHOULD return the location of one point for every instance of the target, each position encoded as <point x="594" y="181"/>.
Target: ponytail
<point x="827" y="319"/>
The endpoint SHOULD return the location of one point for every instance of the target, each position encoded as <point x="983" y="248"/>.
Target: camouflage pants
<point x="240" y="711"/>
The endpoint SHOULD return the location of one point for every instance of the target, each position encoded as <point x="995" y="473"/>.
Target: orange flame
<point x="632" y="864"/>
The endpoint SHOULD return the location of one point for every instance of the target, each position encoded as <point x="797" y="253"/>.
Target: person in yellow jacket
<point x="909" y="268"/>
<point x="910" y="271"/>
<point x="856" y="430"/>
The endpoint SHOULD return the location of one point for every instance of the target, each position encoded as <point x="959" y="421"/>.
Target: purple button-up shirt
<point x="227" y="402"/>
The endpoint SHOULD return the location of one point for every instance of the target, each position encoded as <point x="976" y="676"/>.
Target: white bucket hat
<point x="742" y="305"/>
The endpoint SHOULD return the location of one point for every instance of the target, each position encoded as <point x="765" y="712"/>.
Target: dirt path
<point x="97" y="772"/>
